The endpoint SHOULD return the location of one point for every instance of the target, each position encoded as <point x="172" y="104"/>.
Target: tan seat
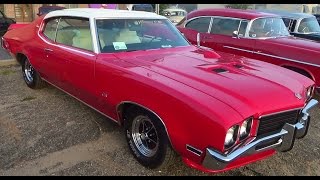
<point x="127" y="36"/>
<point x="106" y="37"/>
<point x="65" y="36"/>
<point x="83" y="39"/>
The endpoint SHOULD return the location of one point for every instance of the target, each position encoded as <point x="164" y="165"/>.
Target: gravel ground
<point x="47" y="132"/>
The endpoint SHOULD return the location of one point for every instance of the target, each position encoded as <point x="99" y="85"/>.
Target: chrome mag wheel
<point x="144" y="135"/>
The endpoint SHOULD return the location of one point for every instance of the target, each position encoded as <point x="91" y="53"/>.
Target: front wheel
<point x="147" y="140"/>
<point x="31" y="76"/>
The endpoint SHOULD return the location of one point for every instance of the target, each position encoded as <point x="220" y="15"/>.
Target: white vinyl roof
<point x="104" y="13"/>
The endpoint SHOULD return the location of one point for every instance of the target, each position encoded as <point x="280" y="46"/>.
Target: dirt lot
<point x="46" y="132"/>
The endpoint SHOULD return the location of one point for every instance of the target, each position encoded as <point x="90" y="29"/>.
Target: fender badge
<point x="298" y="95"/>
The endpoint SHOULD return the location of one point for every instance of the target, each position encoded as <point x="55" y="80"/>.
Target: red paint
<point x="196" y="104"/>
<point x="302" y="50"/>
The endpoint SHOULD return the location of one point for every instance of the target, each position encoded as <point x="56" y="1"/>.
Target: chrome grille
<point x="273" y="123"/>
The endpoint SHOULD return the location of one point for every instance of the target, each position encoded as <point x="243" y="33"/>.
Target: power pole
<point x="158" y="8"/>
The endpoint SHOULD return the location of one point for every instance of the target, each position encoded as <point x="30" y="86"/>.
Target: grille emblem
<point x="298" y="95"/>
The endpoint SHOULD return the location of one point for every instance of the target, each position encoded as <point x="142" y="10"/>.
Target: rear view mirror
<point x="235" y="34"/>
<point x="198" y="39"/>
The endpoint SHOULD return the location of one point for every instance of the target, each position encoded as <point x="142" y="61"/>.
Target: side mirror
<point x="235" y="34"/>
<point x="198" y="39"/>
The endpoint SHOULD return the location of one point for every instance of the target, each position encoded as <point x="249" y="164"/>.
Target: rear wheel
<point x="147" y="139"/>
<point x="31" y="76"/>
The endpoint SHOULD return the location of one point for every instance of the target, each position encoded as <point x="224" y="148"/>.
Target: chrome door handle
<point x="48" y="50"/>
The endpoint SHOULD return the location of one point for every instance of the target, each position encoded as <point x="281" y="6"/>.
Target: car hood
<point x="248" y="86"/>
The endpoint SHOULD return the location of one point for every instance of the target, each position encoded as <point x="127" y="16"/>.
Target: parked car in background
<point x="46" y="9"/>
<point x="256" y="35"/>
<point x="299" y="24"/>
<point x="318" y="17"/>
<point x="5" y="22"/>
<point x="217" y="111"/>
<point x="140" y="7"/>
<point x="174" y="14"/>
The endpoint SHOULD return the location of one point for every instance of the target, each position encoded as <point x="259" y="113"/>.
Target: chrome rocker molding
<point x="217" y="161"/>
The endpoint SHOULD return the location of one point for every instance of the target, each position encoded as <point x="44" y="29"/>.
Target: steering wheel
<point x="269" y="33"/>
<point x="305" y="29"/>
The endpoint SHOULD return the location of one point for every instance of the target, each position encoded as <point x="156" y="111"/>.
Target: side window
<point x="75" y="32"/>
<point x="50" y="28"/>
<point x="290" y="24"/>
<point x="224" y="26"/>
<point x="242" y="28"/>
<point x="199" y="24"/>
<point x="286" y="21"/>
<point x="293" y="25"/>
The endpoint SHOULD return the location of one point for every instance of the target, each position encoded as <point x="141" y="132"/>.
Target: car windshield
<point x="137" y="34"/>
<point x="270" y="27"/>
<point x="174" y="13"/>
<point x="147" y="8"/>
<point x="309" y="25"/>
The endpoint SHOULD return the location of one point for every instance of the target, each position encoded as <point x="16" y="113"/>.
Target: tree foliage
<point x="238" y="6"/>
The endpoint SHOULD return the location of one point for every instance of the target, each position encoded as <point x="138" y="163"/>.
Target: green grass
<point x="28" y="98"/>
<point x="7" y="72"/>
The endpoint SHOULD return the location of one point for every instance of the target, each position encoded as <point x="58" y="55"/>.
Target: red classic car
<point x="217" y="111"/>
<point x="253" y="34"/>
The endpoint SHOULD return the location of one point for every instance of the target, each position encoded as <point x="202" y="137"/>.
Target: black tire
<point x="164" y="156"/>
<point x="31" y="76"/>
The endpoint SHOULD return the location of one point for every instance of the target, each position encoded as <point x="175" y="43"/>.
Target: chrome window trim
<point x="71" y="48"/>
<point x="224" y="17"/>
<point x="43" y="26"/>
<point x="98" y="40"/>
<point x="55" y="34"/>
<point x="292" y="19"/>
<point x="94" y="35"/>
<point x="187" y="21"/>
<point x="262" y="38"/>
<point x="210" y="25"/>
<point x="269" y="55"/>
<point x="298" y="24"/>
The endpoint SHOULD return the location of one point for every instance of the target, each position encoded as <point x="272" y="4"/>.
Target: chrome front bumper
<point x="286" y="137"/>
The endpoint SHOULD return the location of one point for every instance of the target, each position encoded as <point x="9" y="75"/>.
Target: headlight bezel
<point x="234" y="137"/>
<point x="310" y="92"/>
<point x="248" y="127"/>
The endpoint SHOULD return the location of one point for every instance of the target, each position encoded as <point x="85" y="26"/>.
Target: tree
<point x="238" y="6"/>
<point x="163" y="7"/>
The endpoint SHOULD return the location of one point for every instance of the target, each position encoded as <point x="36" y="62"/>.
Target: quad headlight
<point x="238" y="131"/>
<point x="231" y="136"/>
<point x="245" y="128"/>
<point x="310" y="91"/>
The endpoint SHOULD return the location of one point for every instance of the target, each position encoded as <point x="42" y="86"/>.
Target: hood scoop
<point x="238" y="66"/>
<point x="219" y="70"/>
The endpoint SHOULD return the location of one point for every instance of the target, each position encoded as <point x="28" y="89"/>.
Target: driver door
<point x="227" y="35"/>
<point x="197" y="25"/>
